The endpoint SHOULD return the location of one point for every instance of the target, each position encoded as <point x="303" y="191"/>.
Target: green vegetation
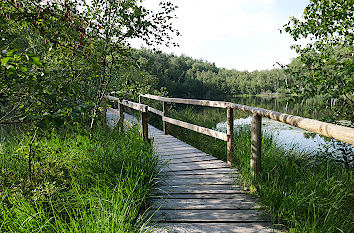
<point x="186" y="77"/>
<point x="325" y="62"/>
<point x="79" y="184"/>
<point x="302" y="193"/>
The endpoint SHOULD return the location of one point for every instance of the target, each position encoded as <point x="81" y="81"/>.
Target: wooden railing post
<point x="164" y="111"/>
<point x="140" y="99"/>
<point x="230" y="134"/>
<point x="121" y="115"/>
<point x="144" y="125"/>
<point x="104" y="111"/>
<point x="256" y="149"/>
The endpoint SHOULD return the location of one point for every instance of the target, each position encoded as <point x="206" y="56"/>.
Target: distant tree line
<point x="183" y="76"/>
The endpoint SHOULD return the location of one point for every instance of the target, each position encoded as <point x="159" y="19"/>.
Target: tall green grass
<point x="301" y="192"/>
<point x="80" y="184"/>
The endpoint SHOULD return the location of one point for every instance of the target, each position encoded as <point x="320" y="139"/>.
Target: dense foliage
<point x="59" y="58"/>
<point x="325" y="64"/>
<point x="187" y="77"/>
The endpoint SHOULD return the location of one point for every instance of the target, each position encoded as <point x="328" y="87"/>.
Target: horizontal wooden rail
<point x="196" y="128"/>
<point x="130" y="104"/>
<point x="209" y="103"/>
<point x="341" y="133"/>
<point x="154" y="110"/>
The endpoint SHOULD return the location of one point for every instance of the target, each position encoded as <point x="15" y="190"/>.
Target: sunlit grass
<point x="80" y="184"/>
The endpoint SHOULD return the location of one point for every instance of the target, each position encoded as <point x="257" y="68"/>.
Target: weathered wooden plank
<point x="190" y="159"/>
<point x="252" y="227"/>
<point x="195" y="166"/>
<point x="181" y="156"/>
<point x="204" y="176"/>
<point x="203" y="171"/>
<point x="196" y="128"/>
<point x="208" y="216"/>
<point x="174" y="148"/>
<point x="200" y="204"/>
<point x="215" y="188"/>
<point x="203" y="196"/>
<point x="154" y="110"/>
<point x="178" y="152"/>
<point x="191" y="181"/>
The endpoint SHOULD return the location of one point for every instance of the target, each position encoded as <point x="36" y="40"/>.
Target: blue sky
<point x="235" y="34"/>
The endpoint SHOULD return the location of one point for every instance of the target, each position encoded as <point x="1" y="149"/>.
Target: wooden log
<point x="341" y="133"/>
<point x="209" y="103"/>
<point x="256" y="149"/>
<point x="164" y="114"/>
<point x="130" y="104"/>
<point x="136" y="106"/>
<point x="154" y="110"/>
<point x="196" y="128"/>
<point x="230" y="135"/>
<point x="144" y="124"/>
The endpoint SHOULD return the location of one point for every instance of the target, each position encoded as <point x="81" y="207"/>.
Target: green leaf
<point x="35" y="60"/>
<point x="5" y="60"/>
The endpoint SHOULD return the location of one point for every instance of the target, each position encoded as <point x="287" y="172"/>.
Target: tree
<point x="325" y="64"/>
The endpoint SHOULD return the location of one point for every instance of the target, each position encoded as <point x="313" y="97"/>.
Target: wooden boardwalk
<point x="198" y="193"/>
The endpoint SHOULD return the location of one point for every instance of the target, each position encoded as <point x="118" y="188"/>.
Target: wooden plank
<point x="203" y="171"/>
<point x="208" y="162"/>
<point x="133" y="105"/>
<point x="209" y="103"/>
<point x="203" y="176"/>
<point x="178" y="152"/>
<point x="191" y="181"/>
<point x="190" y="159"/>
<point x="199" y="188"/>
<point x="154" y="110"/>
<point x="203" y="196"/>
<point x="174" y="148"/>
<point x="196" y="128"/>
<point x="252" y="227"/>
<point x="208" y="216"/>
<point x="200" y="204"/>
<point x="188" y="167"/>
<point x="181" y="156"/>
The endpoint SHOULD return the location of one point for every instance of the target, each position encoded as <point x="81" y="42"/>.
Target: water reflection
<point x="287" y="135"/>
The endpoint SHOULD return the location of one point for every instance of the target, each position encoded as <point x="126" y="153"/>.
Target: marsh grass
<point x="302" y="193"/>
<point x="80" y="184"/>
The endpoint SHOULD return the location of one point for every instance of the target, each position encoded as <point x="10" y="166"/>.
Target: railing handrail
<point x="341" y="133"/>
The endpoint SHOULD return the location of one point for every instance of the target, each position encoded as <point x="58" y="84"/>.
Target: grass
<point x="302" y="193"/>
<point x="80" y="184"/>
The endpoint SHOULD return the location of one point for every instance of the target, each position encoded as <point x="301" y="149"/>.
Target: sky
<point x="234" y="34"/>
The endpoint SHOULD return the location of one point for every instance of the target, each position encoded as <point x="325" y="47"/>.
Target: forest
<point x="63" y="170"/>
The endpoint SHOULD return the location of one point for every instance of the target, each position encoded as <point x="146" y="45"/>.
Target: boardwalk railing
<point x="341" y="133"/>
